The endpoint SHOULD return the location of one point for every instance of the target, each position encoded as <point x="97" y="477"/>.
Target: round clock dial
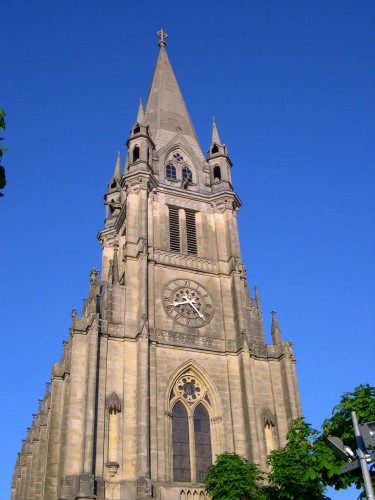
<point x="188" y="303"/>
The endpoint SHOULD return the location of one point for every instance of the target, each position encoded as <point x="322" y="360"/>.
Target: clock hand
<point x="191" y="303"/>
<point x="179" y="303"/>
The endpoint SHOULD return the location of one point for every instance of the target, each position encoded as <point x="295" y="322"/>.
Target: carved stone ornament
<point x="113" y="403"/>
<point x="136" y="184"/>
<point x="268" y="418"/>
<point x="112" y="468"/>
<point x="183" y="203"/>
<point x="219" y="206"/>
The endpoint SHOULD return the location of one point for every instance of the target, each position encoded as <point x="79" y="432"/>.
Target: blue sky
<point x="292" y="87"/>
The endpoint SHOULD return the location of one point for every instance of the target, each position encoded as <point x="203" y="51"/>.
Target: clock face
<point x="188" y="303"/>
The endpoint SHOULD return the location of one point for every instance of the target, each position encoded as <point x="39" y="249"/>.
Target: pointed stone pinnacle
<point x="117" y="174"/>
<point x="275" y="329"/>
<point x="141" y="114"/>
<point x="257" y="298"/>
<point x="215" y="133"/>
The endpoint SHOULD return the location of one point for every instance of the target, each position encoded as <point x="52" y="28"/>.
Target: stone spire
<point x="275" y="330"/>
<point x="166" y="112"/>
<point x="215" y="133"/>
<point x="117" y="174"/>
<point x="141" y="113"/>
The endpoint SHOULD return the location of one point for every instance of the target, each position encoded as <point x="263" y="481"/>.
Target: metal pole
<point x="362" y="458"/>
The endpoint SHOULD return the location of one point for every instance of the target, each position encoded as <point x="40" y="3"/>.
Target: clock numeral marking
<point x="206" y="295"/>
<point x="167" y="299"/>
<point x="177" y="316"/>
<point x="209" y="305"/>
<point x="188" y="321"/>
<point x="187" y="283"/>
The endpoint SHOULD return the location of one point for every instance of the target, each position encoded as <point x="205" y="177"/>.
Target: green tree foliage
<point x="232" y="477"/>
<point x="294" y="474"/>
<point x="2" y="150"/>
<point x="362" y="401"/>
<point x="304" y="466"/>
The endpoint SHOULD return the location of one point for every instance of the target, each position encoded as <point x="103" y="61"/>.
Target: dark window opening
<point x="113" y="184"/>
<point x="214" y="149"/>
<point x="170" y="171"/>
<point x="174" y="229"/>
<point x="217" y="173"/>
<point x="111" y="209"/>
<point x="203" y="453"/>
<point x="136" y="129"/>
<point x="191" y="233"/>
<point x="135" y="153"/>
<point x="180" y="440"/>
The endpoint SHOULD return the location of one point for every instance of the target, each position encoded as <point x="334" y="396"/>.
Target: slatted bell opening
<point x="191" y="233"/>
<point x="174" y="229"/>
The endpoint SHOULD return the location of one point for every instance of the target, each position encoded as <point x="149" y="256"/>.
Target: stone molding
<point x="194" y="340"/>
<point x="182" y="260"/>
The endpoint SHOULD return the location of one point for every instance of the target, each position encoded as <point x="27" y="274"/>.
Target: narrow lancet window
<point x="203" y="453"/>
<point x="180" y="439"/>
<point x="170" y="171"/>
<point x="217" y="173"/>
<point x="135" y="153"/>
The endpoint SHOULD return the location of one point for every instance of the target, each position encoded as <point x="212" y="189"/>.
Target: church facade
<point x="167" y="366"/>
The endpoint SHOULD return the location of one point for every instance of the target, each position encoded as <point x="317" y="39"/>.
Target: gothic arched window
<point x="186" y="174"/>
<point x="180" y="439"/>
<point x="135" y="153"/>
<point x="170" y="171"/>
<point x="191" y="429"/>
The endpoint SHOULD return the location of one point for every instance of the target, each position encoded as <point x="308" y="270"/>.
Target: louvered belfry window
<point x="191" y="232"/>
<point x="175" y="243"/>
<point x="174" y="229"/>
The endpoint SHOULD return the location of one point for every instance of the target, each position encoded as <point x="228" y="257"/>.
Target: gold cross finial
<point x="162" y="35"/>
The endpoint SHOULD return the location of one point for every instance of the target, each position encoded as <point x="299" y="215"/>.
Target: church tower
<point x="167" y="366"/>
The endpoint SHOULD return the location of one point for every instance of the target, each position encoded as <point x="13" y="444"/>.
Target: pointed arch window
<point x="170" y="171"/>
<point x="191" y="430"/>
<point x="214" y="149"/>
<point x="137" y="129"/>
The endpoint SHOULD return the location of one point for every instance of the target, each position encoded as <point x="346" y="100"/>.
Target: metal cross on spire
<point x="162" y="35"/>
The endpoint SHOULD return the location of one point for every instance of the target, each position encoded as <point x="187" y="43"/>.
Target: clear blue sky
<point x="292" y="87"/>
